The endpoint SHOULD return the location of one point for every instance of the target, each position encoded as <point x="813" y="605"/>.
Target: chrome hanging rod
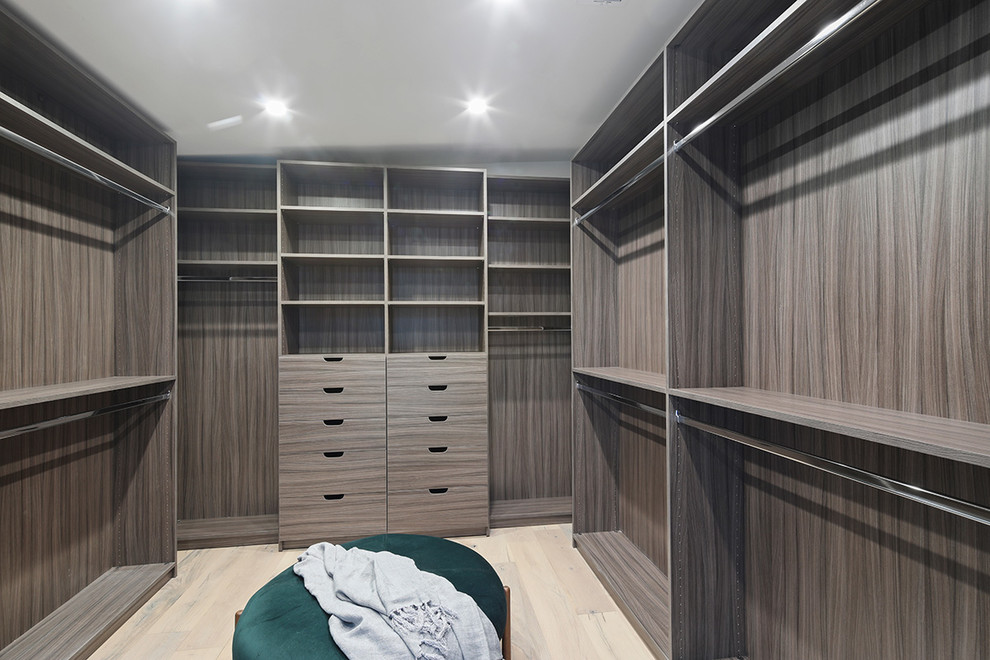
<point x="621" y="190"/>
<point x="621" y="399"/>
<point x="80" y="169"/>
<point x="945" y="503"/>
<point x="525" y="328"/>
<point x="232" y="278"/>
<point x="117" y="407"/>
<point x="822" y="37"/>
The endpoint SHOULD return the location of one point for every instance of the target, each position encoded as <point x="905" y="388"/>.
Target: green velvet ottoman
<point x="282" y="621"/>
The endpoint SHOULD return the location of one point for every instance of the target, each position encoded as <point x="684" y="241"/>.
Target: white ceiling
<point x="370" y="79"/>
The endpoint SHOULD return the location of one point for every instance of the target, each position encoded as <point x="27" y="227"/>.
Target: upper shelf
<point x="647" y="380"/>
<point x="527" y="220"/>
<point x="630" y="174"/>
<point x="953" y="439"/>
<point x="30" y="396"/>
<point x="27" y="123"/>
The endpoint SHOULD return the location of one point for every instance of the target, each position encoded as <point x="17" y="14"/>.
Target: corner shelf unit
<point x="227" y="270"/>
<point x="779" y="406"/>
<point x="529" y="340"/>
<point x="87" y="361"/>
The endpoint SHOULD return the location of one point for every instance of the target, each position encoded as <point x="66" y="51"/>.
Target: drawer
<point x="438" y="399"/>
<point x="304" y="372"/>
<point x="437" y="466"/>
<point x="340" y="403"/>
<point x="417" y="368"/>
<point x="329" y="471"/>
<point x="431" y="430"/>
<point x="454" y="511"/>
<point x="340" y="433"/>
<point x="304" y="519"/>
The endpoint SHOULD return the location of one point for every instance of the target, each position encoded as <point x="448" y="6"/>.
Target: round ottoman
<point x="283" y="621"/>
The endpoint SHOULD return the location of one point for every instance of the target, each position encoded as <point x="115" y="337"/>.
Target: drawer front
<point x="330" y="471"/>
<point x="348" y="365"/>
<point x="306" y="519"/>
<point x="437" y="466"/>
<point x="424" y="431"/>
<point x="310" y="375"/>
<point x="448" y="512"/>
<point x="341" y="403"/>
<point x="339" y="433"/>
<point x="438" y="399"/>
<point x="418" y="368"/>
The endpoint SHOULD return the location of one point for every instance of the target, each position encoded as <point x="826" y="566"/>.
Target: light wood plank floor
<point x="559" y="609"/>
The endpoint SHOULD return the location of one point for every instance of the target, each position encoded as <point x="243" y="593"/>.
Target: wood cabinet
<point x="87" y="352"/>
<point x="382" y="297"/>
<point x="803" y="221"/>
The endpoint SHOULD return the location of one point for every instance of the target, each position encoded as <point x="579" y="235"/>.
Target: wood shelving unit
<point x="227" y="265"/>
<point x="804" y="290"/>
<point x="87" y="532"/>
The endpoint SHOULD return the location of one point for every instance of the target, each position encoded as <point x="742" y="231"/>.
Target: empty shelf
<point x="646" y="380"/>
<point x="47" y="393"/>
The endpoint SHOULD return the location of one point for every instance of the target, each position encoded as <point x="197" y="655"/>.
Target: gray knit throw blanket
<point x="382" y="606"/>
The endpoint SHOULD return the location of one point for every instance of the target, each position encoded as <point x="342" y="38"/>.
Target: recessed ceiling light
<point x="276" y="108"/>
<point x="477" y="106"/>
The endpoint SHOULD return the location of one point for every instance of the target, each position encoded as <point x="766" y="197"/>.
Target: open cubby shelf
<point x="331" y="185"/>
<point x="436" y="190"/>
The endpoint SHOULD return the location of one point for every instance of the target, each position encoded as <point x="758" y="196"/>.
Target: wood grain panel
<point x="429" y="189"/>
<point x="57" y="273"/>
<point x="339" y="434"/>
<point x="436" y="329"/>
<point x="227" y="185"/>
<point x="529" y="243"/>
<point x="704" y="263"/>
<point x="419" y="234"/>
<point x="594" y="305"/>
<point x="326" y="330"/>
<point x="528" y="197"/>
<point x="529" y="291"/>
<point x="331" y="185"/>
<point x="227" y="532"/>
<point x="452" y="367"/>
<point x="333" y="281"/>
<point x="457" y="511"/>
<point x="409" y="281"/>
<point x="438" y="466"/>
<point x="427" y="431"/>
<point x="309" y="518"/>
<point x="321" y="231"/>
<point x="248" y="238"/>
<point x="643" y="486"/>
<point x="529" y="399"/>
<point x="330" y="470"/>
<point x="893" y="203"/>
<point x="531" y="511"/>
<point x="226" y="401"/>
<point x="902" y="580"/>
<point x="596" y="456"/>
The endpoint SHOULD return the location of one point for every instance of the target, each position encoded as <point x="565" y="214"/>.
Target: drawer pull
<point x="437" y="388"/>
<point x="333" y="422"/>
<point x="436" y="491"/>
<point x="338" y="496"/>
<point x="333" y="454"/>
<point x="437" y="357"/>
<point x="438" y="418"/>
<point x="437" y="450"/>
<point x="333" y="390"/>
<point x="333" y="359"/>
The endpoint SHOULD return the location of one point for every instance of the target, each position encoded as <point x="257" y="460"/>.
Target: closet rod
<point x="80" y="169"/>
<point x="232" y="278"/>
<point x="621" y="399"/>
<point x="117" y="407"/>
<point x="945" y="503"/>
<point x="621" y="190"/>
<point x="525" y="328"/>
<point x="822" y="37"/>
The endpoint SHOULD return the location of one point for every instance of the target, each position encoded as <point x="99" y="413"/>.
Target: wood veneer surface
<point x="865" y="228"/>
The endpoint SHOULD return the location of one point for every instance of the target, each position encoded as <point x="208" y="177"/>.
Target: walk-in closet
<point x="675" y="315"/>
